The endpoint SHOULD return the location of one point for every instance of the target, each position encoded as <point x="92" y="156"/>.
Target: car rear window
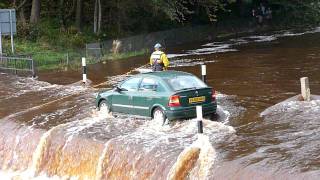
<point x="185" y="82"/>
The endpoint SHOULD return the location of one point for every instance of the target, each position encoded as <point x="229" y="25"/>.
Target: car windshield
<point x="185" y="82"/>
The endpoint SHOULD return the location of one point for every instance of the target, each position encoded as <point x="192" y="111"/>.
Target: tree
<point x="297" y="11"/>
<point x="97" y="17"/>
<point x="20" y="9"/>
<point x="35" y="12"/>
<point x="79" y="15"/>
<point x="65" y="12"/>
<point x="180" y="10"/>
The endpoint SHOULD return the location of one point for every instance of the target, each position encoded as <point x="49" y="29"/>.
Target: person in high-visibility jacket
<point x="159" y="60"/>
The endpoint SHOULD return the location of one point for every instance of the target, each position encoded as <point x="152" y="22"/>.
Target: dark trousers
<point x="157" y="67"/>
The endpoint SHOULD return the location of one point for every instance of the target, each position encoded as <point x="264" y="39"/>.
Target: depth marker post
<point x="84" y="74"/>
<point x="203" y="73"/>
<point x="199" y="119"/>
<point x="305" y="89"/>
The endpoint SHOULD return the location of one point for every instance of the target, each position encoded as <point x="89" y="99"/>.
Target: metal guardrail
<point x="94" y="50"/>
<point x="17" y="64"/>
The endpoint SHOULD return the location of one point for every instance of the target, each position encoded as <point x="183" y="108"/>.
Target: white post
<point x="305" y="90"/>
<point x="203" y="72"/>
<point x="84" y="74"/>
<point x="11" y="33"/>
<point x="199" y="119"/>
<point x="0" y="41"/>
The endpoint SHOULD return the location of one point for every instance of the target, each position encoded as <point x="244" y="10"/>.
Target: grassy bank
<point x="49" y="57"/>
<point x="53" y="48"/>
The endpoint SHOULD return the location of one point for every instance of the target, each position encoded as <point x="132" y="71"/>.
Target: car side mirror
<point x="119" y="89"/>
<point x="154" y="88"/>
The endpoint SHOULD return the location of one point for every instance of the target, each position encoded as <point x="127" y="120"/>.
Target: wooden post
<point x="15" y="66"/>
<point x="305" y="90"/>
<point x="33" y="68"/>
<point x="67" y="58"/>
<point x="86" y="50"/>
<point x="199" y="119"/>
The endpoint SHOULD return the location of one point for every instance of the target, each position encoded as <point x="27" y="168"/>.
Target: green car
<point x="165" y="95"/>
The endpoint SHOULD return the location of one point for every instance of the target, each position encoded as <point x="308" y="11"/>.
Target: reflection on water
<point x="50" y="130"/>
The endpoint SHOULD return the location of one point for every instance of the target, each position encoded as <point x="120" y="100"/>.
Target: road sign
<point x="8" y="21"/>
<point x="8" y="25"/>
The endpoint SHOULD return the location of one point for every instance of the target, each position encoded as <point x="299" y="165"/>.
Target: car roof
<point x="166" y="74"/>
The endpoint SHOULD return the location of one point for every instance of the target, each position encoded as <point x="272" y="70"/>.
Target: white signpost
<point x="8" y="26"/>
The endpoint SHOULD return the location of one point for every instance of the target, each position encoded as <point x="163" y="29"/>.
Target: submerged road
<point x="69" y="138"/>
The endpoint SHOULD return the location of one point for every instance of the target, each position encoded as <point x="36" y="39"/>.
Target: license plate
<point x="197" y="99"/>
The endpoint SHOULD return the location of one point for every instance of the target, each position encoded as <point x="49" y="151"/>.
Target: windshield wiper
<point x="189" y="88"/>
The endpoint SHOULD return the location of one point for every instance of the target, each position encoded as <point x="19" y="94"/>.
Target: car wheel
<point x="103" y="106"/>
<point x="159" y="116"/>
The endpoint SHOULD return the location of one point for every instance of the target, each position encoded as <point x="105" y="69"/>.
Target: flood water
<point x="49" y="127"/>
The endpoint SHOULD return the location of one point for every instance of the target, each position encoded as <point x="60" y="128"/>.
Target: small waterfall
<point x="16" y="145"/>
<point x="184" y="163"/>
<point x="195" y="161"/>
<point x="40" y="150"/>
<point x="206" y="159"/>
<point x="100" y="165"/>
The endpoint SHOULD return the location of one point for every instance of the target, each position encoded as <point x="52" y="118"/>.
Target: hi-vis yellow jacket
<point x="159" y="57"/>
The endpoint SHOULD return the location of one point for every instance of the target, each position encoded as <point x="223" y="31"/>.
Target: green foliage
<point x="77" y="41"/>
<point x="297" y="12"/>
<point x="3" y="5"/>
<point x="181" y="11"/>
<point x="112" y="56"/>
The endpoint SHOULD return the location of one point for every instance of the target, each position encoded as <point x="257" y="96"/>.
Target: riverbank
<point x="49" y="57"/>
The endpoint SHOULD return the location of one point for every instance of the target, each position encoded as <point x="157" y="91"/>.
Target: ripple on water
<point x="293" y="127"/>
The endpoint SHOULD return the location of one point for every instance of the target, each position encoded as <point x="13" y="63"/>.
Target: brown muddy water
<point x="49" y="127"/>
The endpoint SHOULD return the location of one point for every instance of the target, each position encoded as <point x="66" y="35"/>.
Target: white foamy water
<point x="188" y="62"/>
<point x="210" y="48"/>
<point x="25" y="86"/>
<point x="27" y="175"/>
<point x="229" y="45"/>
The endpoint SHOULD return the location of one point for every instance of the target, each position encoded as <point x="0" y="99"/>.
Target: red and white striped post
<point x="84" y="73"/>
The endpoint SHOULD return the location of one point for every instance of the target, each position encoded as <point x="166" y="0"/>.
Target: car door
<point x="122" y="101"/>
<point x="144" y="99"/>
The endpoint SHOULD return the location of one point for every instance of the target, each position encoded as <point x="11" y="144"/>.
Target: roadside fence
<point x="18" y="65"/>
